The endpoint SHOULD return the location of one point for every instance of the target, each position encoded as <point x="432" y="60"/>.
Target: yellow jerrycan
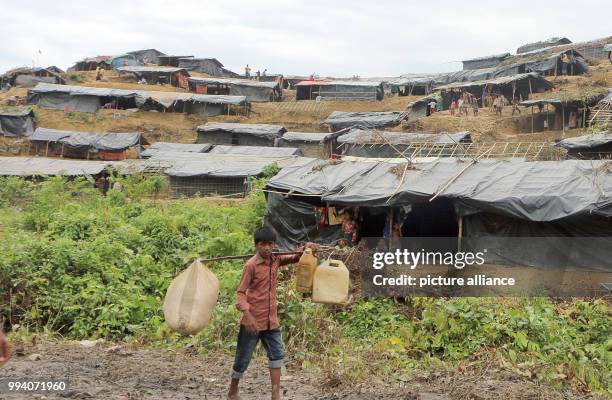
<point x="305" y="271"/>
<point x="331" y="283"/>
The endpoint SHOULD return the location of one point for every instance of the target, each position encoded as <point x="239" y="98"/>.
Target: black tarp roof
<point x="175" y="147"/>
<point x="261" y="130"/>
<point x="85" y="140"/>
<point x="263" y="151"/>
<point x="536" y="191"/>
<point x="537" y="81"/>
<point x="137" y="69"/>
<point x="239" y="82"/>
<point x="586" y="142"/>
<point x="359" y="136"/>
<point x="217" y="168"/>
<point x="491" y="57"/>
<point x="166" y="99"/>
<point x="30" y="166"/>
<point x="554" y="41"/>
<point x="341" y="119"/>
<point x="311" y="137"/>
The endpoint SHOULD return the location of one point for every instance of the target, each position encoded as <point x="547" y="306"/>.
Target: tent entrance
<point x="435" y="219"/>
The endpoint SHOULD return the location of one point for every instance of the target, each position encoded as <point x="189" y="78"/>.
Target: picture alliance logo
<point x="404" y="257"/>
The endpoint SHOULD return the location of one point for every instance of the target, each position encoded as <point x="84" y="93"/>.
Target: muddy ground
<point x="123" y="372"/>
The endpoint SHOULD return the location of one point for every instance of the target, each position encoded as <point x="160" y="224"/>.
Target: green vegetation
<point x="81" y="265"/>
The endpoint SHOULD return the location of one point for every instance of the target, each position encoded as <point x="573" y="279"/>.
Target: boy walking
<point x="256" y="299"/>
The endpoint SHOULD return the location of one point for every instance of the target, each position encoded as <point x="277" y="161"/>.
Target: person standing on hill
<point x="256" y="299"/>
<point x="515" y="106"/>
<point x="5" y="348"/>
<point x="564" y="63"/>
<point x="247" y="71"/>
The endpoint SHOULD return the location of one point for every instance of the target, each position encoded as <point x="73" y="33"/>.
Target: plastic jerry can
<point x="305" y="271"/>
<point x="331" y="283"/>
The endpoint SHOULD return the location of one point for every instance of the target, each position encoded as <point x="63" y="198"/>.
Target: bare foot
<point x="233" y="397"/>
<point x="276" y="396"/>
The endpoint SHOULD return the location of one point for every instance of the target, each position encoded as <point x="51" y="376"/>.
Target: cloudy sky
<point x="335" y="38"/>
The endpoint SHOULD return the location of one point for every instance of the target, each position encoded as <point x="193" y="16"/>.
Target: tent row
<point x="448" y="197"/>
<point x="105" y="146"/>
<point x="91" y="99"/>
<point x="256" y="91"/>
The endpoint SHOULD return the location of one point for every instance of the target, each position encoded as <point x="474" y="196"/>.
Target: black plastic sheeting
<point x="367" y="120"/>
<point x="586" y="142"/>
<point x="297" y="222"/>
<point x="534" y="191"/>
<point x="388" y="144"/>
<point x="265" y="130"/>
<point x="85" y="140"/>
<point x="175" y="147"/>
<point x="254" y="151"/>
<point x="89" y="99"/>
<point x="239" y="134"/>
<point x="582" y="241"/>
<point x="14" y="123"/>
<point x="257" y="91"/>
<point x="217" y="168"/>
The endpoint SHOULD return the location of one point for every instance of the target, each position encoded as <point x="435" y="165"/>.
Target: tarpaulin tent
<point x="34" y="166"/>
<point x="105" y="62"/>
<point x="175" y="147"/>
<point x="239" y="134"/>
<point x="313" y="144"/>
<point x="554" y="41"/>
<point x="594" y="146"/>
<point x="154" y="74"/>
<point x="210" y="66"/>
<point x="540" y="198"/>
<point x="111" y="146"/>
<point x="338" y="120"/>
<point x="30" y="77"/>
<point x="16" y="122"/>
<point x="90" y="99"/>
<point x="384" y="144"/>
<point x="484" y="62"/>
<point x="339" y="90"/>
<point x="224" y="175"/>
<point x="547" y="61"/>
<point x="571" y="111"/>
<point x="420" y="107"/>
<point x="516" y="86"/>
<point x="264" y="151"/>
<point x="409" y="85"/>
<point x="147" y="56"/>
<point x="256" y="91"/>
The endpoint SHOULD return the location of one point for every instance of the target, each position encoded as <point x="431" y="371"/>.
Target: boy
<point x="256" y="299"/>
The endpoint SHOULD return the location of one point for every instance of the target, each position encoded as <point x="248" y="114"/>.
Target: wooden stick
<point x="243" y="256"/>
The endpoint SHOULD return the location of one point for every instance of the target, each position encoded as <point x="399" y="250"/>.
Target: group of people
<point x="258" y="75"/>
<point x="463" y="103"/>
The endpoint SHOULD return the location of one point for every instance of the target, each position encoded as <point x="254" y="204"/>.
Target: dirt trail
<point x="122" y="372"/>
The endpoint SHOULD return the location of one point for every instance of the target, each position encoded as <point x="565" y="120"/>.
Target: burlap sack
<point x="191" y="299"/>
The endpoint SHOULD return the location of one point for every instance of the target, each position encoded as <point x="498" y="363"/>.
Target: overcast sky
<point x="333" y="38"/>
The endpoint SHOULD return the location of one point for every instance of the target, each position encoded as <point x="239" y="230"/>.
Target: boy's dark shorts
<point x="271" y="341"/>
